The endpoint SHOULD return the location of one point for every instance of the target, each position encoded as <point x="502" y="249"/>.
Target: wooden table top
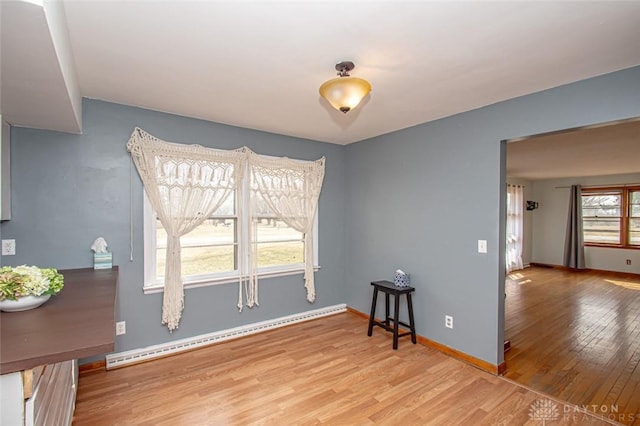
<point x="76" y="323"/>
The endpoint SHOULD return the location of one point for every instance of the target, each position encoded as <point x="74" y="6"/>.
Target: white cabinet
<point x="11" y="399"/>
<point x="43" y="396"/>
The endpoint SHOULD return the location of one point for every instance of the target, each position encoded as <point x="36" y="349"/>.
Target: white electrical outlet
<point x="482" y="246"/>
<point x="8" y="247"/>
<point x="448" y="321"/>
<point x="121" y="328"/>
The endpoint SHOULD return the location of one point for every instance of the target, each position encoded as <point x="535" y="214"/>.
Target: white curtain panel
<point x="185" y="185"/>
<point x="291" y="189"/>
<point x="515" y="204"/>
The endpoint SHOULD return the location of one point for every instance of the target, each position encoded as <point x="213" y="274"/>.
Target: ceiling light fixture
<point x="345" y="93"/>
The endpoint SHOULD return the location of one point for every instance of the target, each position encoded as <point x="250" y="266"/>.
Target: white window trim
<point x="152" y="286"/>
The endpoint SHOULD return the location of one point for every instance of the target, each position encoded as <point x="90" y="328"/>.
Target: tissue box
<point x="102" y="260"/>
<point x="401" y="279"/>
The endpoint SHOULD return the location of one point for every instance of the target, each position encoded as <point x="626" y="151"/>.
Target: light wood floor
<point x="325" y="371"/>
<point x="576" y="336"/>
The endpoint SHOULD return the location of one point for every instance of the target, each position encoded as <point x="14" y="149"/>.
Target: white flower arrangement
<point x="19" y="281"/>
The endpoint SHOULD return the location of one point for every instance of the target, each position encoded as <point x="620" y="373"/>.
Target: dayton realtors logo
<point x="545" y="410"/>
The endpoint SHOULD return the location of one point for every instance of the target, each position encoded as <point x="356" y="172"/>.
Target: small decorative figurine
<point x="401" y="279"/>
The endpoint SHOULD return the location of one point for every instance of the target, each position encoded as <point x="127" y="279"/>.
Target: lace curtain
<point x="185" y="185"/>
<point x="291" y="190"/>
<point x="515" y="205"/>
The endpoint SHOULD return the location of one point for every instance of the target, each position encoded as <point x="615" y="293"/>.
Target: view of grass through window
<point x="212" y="247"/>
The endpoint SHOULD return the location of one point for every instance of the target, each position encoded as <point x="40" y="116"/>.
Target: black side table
<point x="388" y="288"/>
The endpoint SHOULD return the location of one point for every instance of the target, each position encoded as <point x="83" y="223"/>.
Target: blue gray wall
<point x="420" y="198"/>
<point x="416" y="199"/>
<point x="69" y="189"/>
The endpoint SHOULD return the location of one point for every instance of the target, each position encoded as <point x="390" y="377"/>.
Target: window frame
<point x="631" y="217"/>
<point x="625" y="215"/>
<point x="152" y="285"/>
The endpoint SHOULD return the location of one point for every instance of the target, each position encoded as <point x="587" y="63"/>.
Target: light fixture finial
<point x="344" y="67"/>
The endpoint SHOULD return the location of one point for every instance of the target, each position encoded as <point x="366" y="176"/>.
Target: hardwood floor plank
<point x="576" y="336"/>
<point x="339" y="376"/>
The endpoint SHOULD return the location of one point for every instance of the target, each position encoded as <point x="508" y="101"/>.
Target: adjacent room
<point x="571" y="316"/>
<point x="196" y="198"/>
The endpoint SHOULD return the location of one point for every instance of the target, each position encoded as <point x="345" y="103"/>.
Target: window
<point x="634" y="217"/>
<point x="278" y="244"/>
<point x="515" y="196"/>
<point x="208" y="250"/>
<point x="188" y="185"/>
<point x="611" y="217"/>
<point x="210" y="253"/>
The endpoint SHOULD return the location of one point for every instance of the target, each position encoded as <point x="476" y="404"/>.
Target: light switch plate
<point x="482" y="246"/>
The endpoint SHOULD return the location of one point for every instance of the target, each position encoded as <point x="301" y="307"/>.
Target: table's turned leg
<point x="396" y="306"/>
<point x="386" y="309"/>
<point x="373" y="310"/>
<point x="411" y="323"/>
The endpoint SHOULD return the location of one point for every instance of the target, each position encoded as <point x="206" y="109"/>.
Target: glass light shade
<point x="345" y="93"/>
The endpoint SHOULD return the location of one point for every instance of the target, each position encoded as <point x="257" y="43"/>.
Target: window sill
<point x="614" y="246"/>
<point x="159" y="288"/>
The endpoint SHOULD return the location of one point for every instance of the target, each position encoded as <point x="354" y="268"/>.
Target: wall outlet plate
<point x="121" y="328"/>
<point x="8" y="247"/>
<point x="448" y="321"/>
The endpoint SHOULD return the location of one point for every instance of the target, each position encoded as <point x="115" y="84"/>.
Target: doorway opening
<point x="575" y="334"/>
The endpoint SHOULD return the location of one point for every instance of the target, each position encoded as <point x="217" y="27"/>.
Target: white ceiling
<point x="258" y="64"/>
<point x="597" y="151"/>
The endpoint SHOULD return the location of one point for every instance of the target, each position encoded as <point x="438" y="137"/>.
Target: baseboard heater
<point x="134" y="356"/>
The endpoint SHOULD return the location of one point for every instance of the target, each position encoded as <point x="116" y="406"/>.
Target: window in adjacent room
<point x="634" y="217"/>
<point x="515" y="220"/>
<point x="611" y="217"/>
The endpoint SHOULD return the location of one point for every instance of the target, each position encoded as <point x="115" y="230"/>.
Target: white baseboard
<point x="134" y="356"/>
